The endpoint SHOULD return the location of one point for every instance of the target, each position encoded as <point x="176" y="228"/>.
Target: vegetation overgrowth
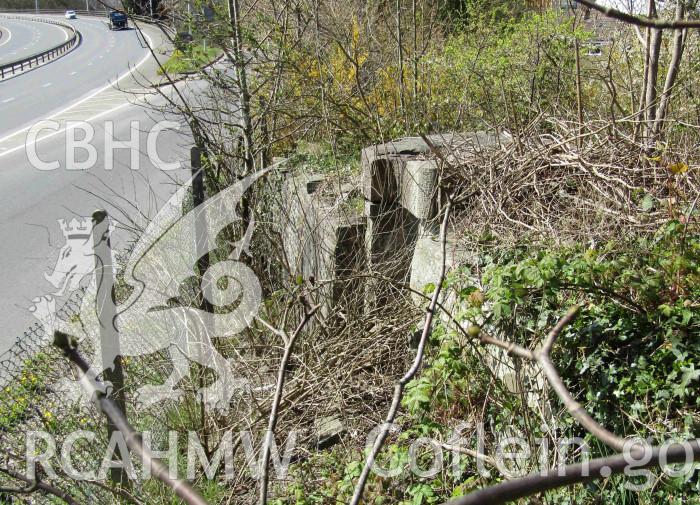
<point x="591" y="201"/>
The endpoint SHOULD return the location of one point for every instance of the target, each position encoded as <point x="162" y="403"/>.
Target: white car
<point x="71" y="15"/>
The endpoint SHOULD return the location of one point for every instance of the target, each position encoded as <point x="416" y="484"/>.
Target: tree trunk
<point x="646" y="46"/>
<point x="579" y="91"/>
<point x="650" y="98"/>
<point x="244" y="97"/>
<point x="241" y="77"/>
<point x="672" y="72"/>
<point x="399" y="41"/>
<point x="650" y="103"/>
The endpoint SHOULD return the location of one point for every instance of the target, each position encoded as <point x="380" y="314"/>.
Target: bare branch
<point x="629" y="457"/>
<point x="110" y="408"/>
<point x="554" y="333"/>
<point x="541" y="357"/>
<point x="401" y="384"/>
<point x="639" y="20"/>
<point x="581" y="472"/>
<point x="35" y="485"/>
<point x="289" y="345"/>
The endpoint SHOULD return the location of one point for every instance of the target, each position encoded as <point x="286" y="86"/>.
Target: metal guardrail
<point x="54" y="11"/>
<point x="37" y="59"/>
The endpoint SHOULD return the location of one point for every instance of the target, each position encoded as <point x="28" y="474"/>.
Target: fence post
<point x="201" y="241"/>
<point x="200" y="223"/>
<point x="109" y="336"/>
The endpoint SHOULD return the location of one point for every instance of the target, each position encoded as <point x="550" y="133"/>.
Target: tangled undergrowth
<point x="558" y="219"/>
<point x="566" y="184"/>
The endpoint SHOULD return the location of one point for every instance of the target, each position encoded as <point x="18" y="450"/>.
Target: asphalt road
<point x="102" y="56"/>
<point x="33" y="200"/>
<point x="22" y="38"/>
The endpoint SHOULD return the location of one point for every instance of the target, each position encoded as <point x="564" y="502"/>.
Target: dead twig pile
<point x="571" y="184"/>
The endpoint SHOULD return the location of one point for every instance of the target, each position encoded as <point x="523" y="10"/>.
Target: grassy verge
<point x="191" y="60"/>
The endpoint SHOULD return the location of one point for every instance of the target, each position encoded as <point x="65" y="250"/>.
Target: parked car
<point x="71" y="15"/>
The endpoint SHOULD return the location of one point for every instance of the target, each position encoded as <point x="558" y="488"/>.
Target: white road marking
<point x="8" y="100"/>
<point x="79" y="102"/>
<point x="9" y="37"/>
<point x="46" y="85"/>
<point x="73" y="72"/>
<point x="61" y="130"/>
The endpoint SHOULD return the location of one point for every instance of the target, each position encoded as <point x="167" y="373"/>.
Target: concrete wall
<point x="399" y="182"/>
<point x="323" y="237"/>
<point x="393" y="242"/>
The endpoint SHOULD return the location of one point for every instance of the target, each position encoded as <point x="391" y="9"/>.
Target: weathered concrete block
<point x="329" y="431"/>
<point x="324" y="240"/>
<point x="418" y="181"/>
<point x="378" y="180"/>
<point x="427" y="262"/>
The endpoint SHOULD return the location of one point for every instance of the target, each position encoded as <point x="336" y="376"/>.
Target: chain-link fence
<point x="42" y="409"/>
<point x="33" y="342"/>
